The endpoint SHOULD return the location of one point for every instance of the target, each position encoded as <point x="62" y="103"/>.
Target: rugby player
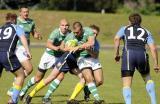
<point x="134" y="56"/>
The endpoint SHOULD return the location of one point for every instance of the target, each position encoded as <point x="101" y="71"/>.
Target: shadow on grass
<point x="65" y="101"/>
<point x="59" y="95"/>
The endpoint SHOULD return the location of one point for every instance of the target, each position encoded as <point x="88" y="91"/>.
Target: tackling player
<point x="50" y="56"/>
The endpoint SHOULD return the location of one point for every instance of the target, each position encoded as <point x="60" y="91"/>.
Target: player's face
<point x="77" y="30"/>
<point x="64" y="27"/>
<point x="95" y="32"/>
<point x="24" y="13"/>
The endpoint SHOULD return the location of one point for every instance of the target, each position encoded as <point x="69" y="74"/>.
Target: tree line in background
<point x="108" y="6"/>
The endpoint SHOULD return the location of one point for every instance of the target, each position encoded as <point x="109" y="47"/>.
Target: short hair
<point x="11" y="16"/>
<point x="95" y="27"/>
<point x="135" y="19"/>
<point x="78" y="24"/>
<point x="23" y="6"/>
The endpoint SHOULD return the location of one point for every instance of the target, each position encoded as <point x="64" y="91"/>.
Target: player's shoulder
<point x="56" y="31"/>
<point x="30" y="20"/>
<point x="87" y="29"/>
<point x="123" y="27"/>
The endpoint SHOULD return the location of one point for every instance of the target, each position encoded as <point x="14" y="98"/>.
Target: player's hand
<point x="74" y="49"/>
<point x="117" y="58"/>
<point x="86" y="46"/>
<point x="29" y="55"/>
<point x="57" y="48"/>
<point x="156" y="68"/>
<point x="37" y="36"/>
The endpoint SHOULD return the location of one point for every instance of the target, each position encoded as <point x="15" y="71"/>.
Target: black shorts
<point x="9" y="61"/>
<point x="133" y="59"/>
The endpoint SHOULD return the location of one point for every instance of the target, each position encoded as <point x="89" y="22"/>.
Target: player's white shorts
<point x="47" y="61"/>
<point x="88" y="63"/>
<point x="21" y="53"/>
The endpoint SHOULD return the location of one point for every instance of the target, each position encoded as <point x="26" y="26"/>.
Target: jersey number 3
<point x="6" y="33"/>
<point x="139" y="36"/>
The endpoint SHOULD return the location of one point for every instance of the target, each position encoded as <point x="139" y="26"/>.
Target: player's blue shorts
<point x="66" y="62"/>
<point x="134" y="59"/>
<point x="9" y="61"/>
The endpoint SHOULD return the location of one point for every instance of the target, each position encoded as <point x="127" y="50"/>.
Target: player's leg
<point x="24" y="60"/>
<point x="18" y="83"/>
<point x="44" y="82"/>
<point x="35" y="79"/>
<point x="144" y="69"/>
<point x="79" y="86"/>
<point x="46" y="62"/>
<point x="150" y="87"/>
<point x="127" y="81"/>
<point x="98" y="77"/>
<point x="127" y="72"/>
<point x="52" y="87"/>
<point x="86" y="68"/>
<point x="87" y="73"/>
<point x="13" y="65"/>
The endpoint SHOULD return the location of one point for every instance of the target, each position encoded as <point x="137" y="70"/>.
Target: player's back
<point x="135" y="37"/>
<point x="8" y="38"/>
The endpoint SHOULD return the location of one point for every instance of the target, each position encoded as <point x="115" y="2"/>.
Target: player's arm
<point x="117" y="39"/>
<point x="21" y="34"/>
<point x="50" y="45"/>
<point x="154" y="52"/>
<point x="50" y="41"/>
<point x="64" y="47"/>
<point x="116" y="46"/>
<point x="35" y="34"/>
<point x="85" y="46"/>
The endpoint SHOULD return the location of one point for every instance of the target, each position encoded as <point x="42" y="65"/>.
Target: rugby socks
<point x="39" y="86"/>
<point x="77" y="90"/>
<point x="52" y="87"/>
<point x="127" y="95"/>
<point x="30" y="83"/>
<point x="93" y="89"/>
<point x="15" y="95"/>
<point x="151" y="91"/>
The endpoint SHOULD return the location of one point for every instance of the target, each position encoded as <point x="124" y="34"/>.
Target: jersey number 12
<point x="139" y="36"/>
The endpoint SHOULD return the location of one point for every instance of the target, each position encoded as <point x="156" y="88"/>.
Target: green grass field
<point x="109" y="24"/>
<point x="110" y="90"/>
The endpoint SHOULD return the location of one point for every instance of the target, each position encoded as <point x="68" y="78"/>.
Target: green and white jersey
<point x="83" y="39"/>
<point x="87" y="32"/>
<point x="28" y="25"/>
<point x="56" y="37"/>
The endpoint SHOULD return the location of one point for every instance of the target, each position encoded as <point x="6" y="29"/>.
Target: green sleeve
<point x="52" y="36"/>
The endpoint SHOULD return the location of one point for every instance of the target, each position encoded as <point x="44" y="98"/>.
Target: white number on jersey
<point x="139" y="37"/>
<point x="7" y="33"/>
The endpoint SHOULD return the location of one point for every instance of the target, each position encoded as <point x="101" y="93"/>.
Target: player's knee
<point x="30" y="69"/>
<point x="38" y="78"/>
<point x="88" y="79"/>
<point x="99" y="82"/>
